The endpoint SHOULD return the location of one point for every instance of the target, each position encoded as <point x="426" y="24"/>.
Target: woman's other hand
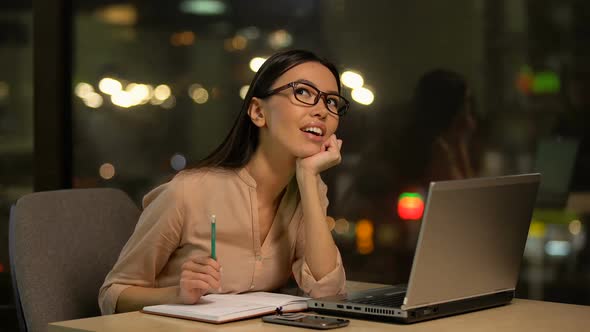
<point x="329" y="156"/>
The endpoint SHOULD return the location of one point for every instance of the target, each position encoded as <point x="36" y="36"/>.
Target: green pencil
<point x="213" y="254"/>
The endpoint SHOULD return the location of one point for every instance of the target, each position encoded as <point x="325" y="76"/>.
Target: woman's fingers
<point x="329" y="156"/>
<point x="335" y="145"/>
<point x="190" y="284"/>
<point x="331" y="144"/>
<point x="198" y="276"/>
<point x="210" y="281"/>
<point x="207" y="261"/>
<point x="200" y="268"/>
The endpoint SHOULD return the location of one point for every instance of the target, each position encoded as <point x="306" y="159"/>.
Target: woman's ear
<point x="256" y="112"/>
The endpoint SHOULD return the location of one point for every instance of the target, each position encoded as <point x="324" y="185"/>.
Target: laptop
<point x="555" y="159"/>
<point x="467" y="257"/>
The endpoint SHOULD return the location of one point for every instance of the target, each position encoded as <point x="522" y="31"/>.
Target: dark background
<point x="63" y="138"/>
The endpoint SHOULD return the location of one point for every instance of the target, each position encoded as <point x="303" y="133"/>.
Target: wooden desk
<point x="520" y="315"/>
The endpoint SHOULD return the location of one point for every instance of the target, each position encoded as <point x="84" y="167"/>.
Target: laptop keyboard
<point x="393" y="300"/>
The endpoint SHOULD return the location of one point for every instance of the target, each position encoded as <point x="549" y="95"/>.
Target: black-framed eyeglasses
<point x="310" y="95"/>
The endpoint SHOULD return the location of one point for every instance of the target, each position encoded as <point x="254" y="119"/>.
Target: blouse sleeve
<point x="332" y="283"/>
<point x="156" y="235"/>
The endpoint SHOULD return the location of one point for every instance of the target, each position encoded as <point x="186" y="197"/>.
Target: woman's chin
<point x="308" y="152"/>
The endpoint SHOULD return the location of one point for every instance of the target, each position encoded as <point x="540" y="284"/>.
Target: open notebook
<point x="222" y="308"/>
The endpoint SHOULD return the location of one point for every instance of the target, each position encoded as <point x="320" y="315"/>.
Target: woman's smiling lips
<point x="314" y="131"/>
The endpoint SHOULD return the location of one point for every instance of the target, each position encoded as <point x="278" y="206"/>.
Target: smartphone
<point x="310" y="321"/>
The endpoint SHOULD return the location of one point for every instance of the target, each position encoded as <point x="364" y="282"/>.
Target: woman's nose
<point x="320" y="109"/>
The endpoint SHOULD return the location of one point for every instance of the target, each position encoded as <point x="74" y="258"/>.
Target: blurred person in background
<point x="438" y="137"/>
<point x="436" y="143"/>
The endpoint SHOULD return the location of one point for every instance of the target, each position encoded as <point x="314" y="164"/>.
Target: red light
<point x="410" y="206"/>
<point x="524" y="84"/>
<point x="1" y="268"/>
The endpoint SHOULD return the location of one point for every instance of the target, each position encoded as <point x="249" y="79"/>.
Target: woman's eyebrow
<point x="313" y="84"/>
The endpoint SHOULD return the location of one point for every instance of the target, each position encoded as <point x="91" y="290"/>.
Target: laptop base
<point x="423" y="313"/>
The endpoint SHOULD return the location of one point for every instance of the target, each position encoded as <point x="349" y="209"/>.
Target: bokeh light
<point x="106" y="171"/>
<point x="352" y="80"/>
<point x="109" y="86"/>
<point x="178" y="162"/>
<point x="364" y="236"/>
<point x="256" y="63"/>
<point x="363" y="96"/>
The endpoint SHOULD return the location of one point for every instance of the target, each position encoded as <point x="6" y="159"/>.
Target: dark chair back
<point x="62" y="245"/>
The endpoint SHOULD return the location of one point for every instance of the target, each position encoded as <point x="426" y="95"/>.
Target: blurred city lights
<point x="169" y="103"/>
<point x="250" y="32"/>
<point x="575" y="227"/>
<point x="106" y="171"/>
<point x="342" y="226"/>
<point x="203" y="7"/>
<point x="150" y="90"/>
<point x="184" y="38"/>
<point x="118" y="14"/>
<point x="83" y="89"/>
<point x="537" y="229"/>
<point x="109" y="86"/>
<point x="155" y="101"/>
<point x="546" y="82"/>
<point x="162" y="92"/>
<point x="244" y="91"/>
<point x="140" y="93"/>
<point x="192" y="88"/>
<point x="239" y="42"/>
<point x="364" y="236"/>
<point x="178" y="162"/>
<point x="352" y="80"/>
<point x="200" y="95"/>
<point x="256" y="63"/>
<point x="524" y="80"/>
<point x="410" y="206"/>
<point x="93" y="100"/>
<point x="557" y="248"/>
<point x="362" y="96"/>
<point x="280" y="39"/>
<point x="123" y="99"/>
<point x="543" y="82"/>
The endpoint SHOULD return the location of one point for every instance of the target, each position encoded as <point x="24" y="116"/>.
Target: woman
<point x="262" y="184"/>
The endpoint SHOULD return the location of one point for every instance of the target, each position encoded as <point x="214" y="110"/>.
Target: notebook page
<point x="213" y="308"/>
<point x="264" y="298"/>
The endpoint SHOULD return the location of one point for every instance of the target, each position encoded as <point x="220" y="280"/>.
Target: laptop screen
<point x="472" y="238"/>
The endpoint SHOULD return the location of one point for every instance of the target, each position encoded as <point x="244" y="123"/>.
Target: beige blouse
<point x="175" y="225"/>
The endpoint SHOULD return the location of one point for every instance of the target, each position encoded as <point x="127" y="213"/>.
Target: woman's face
<point x="292" y="126"/>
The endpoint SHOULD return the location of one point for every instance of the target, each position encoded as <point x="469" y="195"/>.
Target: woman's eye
<point x="302" y="91"/>
<point x="332" y="102"/>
